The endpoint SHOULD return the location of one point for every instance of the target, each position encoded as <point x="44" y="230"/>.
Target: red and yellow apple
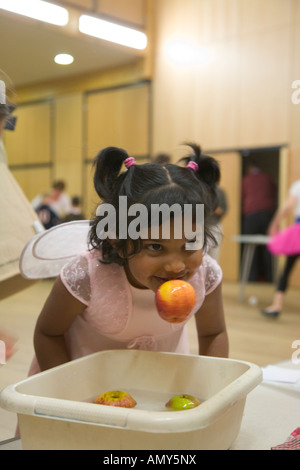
<point x="182" y="402"/>
<point x="116" y="398"/>
<point x="175" y="299"/>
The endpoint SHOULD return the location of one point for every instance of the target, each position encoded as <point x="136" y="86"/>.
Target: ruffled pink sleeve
<point x="75" y="277"/>
<point x="213" y="274"/>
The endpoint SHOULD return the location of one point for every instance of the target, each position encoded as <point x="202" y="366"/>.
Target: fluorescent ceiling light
<point x="112" y="32"/>
<point x="38" y="10"/>
<point x="64" y="59"/>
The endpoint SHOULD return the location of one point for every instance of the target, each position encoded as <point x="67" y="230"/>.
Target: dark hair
<point x="76" y="201"/>
<point x="60" y="185"/>
<point x="162" y="158"/>
<point x="148" y="184"/>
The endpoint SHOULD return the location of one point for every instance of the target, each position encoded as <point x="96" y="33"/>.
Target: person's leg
<point x="263" y="256"/>
<point x="266" y="257"/>
<point x="277" y="304"/>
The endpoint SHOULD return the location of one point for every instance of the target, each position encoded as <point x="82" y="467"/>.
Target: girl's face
<point x="161" y="260"/>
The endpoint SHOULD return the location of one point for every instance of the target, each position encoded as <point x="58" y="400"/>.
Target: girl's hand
<point x="9" y="348"/>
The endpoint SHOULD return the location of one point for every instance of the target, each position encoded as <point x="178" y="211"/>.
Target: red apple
<point x="116" y="398"/>
<point x="182" y="402"/>
<point x="175" y="299"/>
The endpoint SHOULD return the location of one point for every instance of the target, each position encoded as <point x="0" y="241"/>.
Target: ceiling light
<point x="64" y="59"/>
<point x="112" y="32"/>
<point x="37" y="9"/>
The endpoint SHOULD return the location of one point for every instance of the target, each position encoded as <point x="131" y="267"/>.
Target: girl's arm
<point x="281" y="213"/>
<point x="57" y="315"/>
<point x="211" y="328"/>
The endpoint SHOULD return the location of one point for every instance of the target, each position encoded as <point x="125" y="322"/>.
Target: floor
<point x="252" y="337"/>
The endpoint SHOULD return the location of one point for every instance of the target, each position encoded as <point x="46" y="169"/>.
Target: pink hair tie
<point x="129" y="162"/>
<point x="193" y="165"/>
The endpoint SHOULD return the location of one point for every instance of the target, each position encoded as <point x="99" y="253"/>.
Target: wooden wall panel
<point x="262" y="15"/>
<point x="91" y="198"/>
<point x="29" y="147"/>
<point x="30" y="142"/>
<point x="216" y="115"/>
<point x="33" y="181"/>
<point x="119" y="117"/>
<point x="230" y="164"/>
<point x="263" y="88"/>
<point x="68" y="149"/>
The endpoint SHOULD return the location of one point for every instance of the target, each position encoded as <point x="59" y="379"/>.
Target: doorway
<point x="268" y="161"/>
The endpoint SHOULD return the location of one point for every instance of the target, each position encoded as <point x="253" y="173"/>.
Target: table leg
<point x="247" y="258"/>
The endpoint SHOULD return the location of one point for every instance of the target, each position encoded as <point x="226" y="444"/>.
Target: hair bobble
<point x="129" y="162"/>
<point x="193" y="165"/>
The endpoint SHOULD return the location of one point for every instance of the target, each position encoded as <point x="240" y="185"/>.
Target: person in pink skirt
<point x="285" y="242"/>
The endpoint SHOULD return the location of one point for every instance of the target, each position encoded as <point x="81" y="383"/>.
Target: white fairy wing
<point x="47" y="252"/>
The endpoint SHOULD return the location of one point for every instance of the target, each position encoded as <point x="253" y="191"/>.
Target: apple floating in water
<point x="116" y="398"/>
<point x="182" y="402"/>
<point x="175" y="299"/>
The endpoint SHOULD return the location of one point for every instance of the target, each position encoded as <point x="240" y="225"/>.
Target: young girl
<point x="104" y="298"/>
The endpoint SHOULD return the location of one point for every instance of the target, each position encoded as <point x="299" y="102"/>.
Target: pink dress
<point x="119" y="316"/>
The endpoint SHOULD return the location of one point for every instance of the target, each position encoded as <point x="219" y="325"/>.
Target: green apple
<point x="116" y="398"/>
<point x="182" y="402"/>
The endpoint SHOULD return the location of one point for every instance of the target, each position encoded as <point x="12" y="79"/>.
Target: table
<point x="250" y="241"/>
<point x="271" y="414"/>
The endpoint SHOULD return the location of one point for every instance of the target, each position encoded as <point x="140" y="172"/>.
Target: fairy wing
<point x="48" y="251"/>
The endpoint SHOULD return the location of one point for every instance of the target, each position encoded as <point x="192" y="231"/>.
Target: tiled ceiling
<point x="29" y="46"/>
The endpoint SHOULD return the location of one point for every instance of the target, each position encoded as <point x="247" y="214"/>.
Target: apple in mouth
<point x="182" y="402"/>
<point x="175" y="299"/>
<point x="116" y="398"/>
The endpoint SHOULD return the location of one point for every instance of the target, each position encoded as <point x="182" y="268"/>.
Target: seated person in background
<point x="75" y="212"/>
<point x="48" y="217"/>
<point x="57" y="199"/>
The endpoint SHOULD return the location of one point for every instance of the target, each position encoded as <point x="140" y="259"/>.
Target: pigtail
<point x="108" y="164"/>
<point x="208" y="169"/>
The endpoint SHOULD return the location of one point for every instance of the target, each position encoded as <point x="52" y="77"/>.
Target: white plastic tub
<point x="55" y="410"/>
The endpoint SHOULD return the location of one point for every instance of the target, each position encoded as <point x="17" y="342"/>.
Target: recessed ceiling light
<point x="38" y="10"/>
<point x="64" y="59"/>
<point x="112" y="32"/>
